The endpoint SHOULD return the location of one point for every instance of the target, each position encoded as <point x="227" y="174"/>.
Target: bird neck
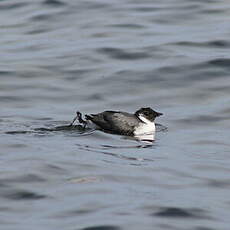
<point x="145" y="120"/>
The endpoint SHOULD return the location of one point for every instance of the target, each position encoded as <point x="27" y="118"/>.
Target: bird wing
<point x="99" y="120"/>
<point x="119" y="122"/>
<point x="115" y="122"/>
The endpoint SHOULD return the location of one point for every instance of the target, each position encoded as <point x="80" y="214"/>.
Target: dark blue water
<point x="59" y="56"/>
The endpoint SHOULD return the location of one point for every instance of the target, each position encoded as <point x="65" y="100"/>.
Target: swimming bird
<point x="140" y="124"/>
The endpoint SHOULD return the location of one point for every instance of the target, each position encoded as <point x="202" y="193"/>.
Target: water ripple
<point x="102" y="227"/>
<point x="208" y="44"/>
<point x="23" y="195"/>
<point x="53" y="3"/>
<point x="122" y="54"/>
<point x="173" y="212"/>
<point x="220" y="62"/>
<point x="12" y="6"/>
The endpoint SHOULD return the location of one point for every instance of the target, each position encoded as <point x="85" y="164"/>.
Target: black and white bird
<point x="140" y="124"/>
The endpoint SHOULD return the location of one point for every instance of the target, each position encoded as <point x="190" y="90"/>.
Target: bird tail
<point x="79" y="118"/>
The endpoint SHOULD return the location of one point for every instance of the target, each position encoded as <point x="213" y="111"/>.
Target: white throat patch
<point x="144" y="119"/>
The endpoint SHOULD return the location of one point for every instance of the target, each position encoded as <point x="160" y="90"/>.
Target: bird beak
<point x="159" y="114"/>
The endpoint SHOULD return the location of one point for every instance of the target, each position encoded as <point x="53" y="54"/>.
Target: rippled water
<point x="59" y="56"/>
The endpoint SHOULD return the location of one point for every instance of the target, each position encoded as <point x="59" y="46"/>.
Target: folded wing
<point x="116" y="122"/>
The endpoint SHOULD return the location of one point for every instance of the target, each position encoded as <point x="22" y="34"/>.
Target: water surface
<point x="59" y="56"/>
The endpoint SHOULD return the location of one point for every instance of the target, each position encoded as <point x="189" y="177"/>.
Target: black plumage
<point x="115" y="122"/>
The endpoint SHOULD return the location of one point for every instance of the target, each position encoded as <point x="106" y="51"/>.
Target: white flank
<point x="145" y="129"/>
